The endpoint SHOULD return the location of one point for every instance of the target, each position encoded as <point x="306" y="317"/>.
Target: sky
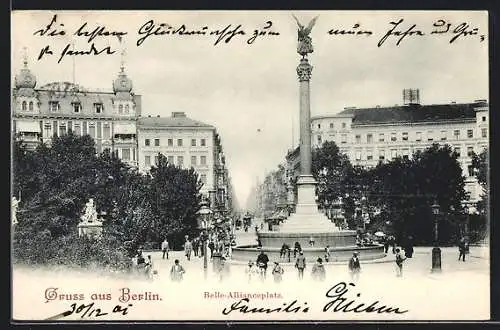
<point x="249" y="91"/>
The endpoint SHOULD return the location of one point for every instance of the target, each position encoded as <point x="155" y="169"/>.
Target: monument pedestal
<point x="90" y="229"/>
<point x="307" y="218"/>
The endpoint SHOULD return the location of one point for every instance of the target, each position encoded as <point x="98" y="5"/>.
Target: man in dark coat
<point x="300" y="264"/>
<point x="354" y="266"/>
<point x="461" y="249"/>
<point x="262" y="260"/>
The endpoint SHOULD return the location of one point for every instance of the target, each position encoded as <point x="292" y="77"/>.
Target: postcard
<point x="231" y="166"/>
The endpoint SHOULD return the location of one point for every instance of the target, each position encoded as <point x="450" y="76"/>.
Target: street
<point x="442" y="296"/>
<point x="477" y="261"/>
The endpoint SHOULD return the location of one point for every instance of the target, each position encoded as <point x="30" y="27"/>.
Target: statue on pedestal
<point x="305" y="46"/>
<point x="14" y="206"/>
<point x="90" y="213"/>
<point x="90" y="226"/>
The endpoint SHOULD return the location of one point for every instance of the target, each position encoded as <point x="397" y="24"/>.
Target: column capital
<point x="304" y="70"/>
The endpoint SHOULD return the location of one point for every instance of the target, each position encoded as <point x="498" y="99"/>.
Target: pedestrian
<point x="177" y="271"/>
<point x="196" y="245"/>
<point x="399" y="262"/>
<point x="259" y="243"/>
<point x="262" y="260"/>
<point x="223" y="269"/>
<point x="296" y="249"/>
<point x="354" y="267"/>
<point x="277" y="272"/>
<point x="251" y="271"/>
<point x="392" y="243"/>
<point x="188" y="249"/>
<point x="262" y="226"/>
<point x="165" y="248"/>
<point x="385" y="240"/>
<point x="409" y="247"/>
<point x="300" y="264"/>
<point x="311" y="241"/>
<point x="462" y="249"/>
<point x="318" y="272"/>
<point x="283" y="250"/>
<point x="220" y="247"/>
<point x="140" y="261"/>
<point x="148" y="267"/>
<point x="327" y="253"/>
<point x="211" y="245"/>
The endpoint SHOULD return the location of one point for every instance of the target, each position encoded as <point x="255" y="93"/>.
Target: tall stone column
<point x="304" y="71"/>
<point x="306" y="190"/>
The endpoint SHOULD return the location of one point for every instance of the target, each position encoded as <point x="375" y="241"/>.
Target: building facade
<point x="372" y="135"/>
<point x="113" y="119"/>
<point x="40" y="113"/>
<point x="186" y="143"/>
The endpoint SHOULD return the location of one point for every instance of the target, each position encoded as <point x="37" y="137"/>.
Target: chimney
<point x="411" y="96"/>
<point x="179" y="114"/>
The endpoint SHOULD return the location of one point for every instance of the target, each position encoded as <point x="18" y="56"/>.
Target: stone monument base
<point x="90" y="229"/>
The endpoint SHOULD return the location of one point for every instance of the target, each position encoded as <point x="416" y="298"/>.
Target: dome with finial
<point x="25" y="79"/>
<point x="122" y="84"/>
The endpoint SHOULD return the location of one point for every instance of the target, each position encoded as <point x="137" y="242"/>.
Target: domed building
<point x="56" y="108"/>
<point x="113" y="119"/>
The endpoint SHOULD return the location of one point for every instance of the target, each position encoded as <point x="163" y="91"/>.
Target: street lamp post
<point x="436" y="251"/>
<point x="204" y="222"/>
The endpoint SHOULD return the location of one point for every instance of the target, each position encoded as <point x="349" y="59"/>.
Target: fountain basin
<point x="336" y="239"/>
<point x="343" y="253"/>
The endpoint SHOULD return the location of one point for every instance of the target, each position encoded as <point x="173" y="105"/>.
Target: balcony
<point x="28" y="137"/>
<point x="124" y="138"/>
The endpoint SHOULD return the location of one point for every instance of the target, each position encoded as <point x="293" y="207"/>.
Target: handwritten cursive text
<point x="340" y="303"/>
<point x="243" y="307"/>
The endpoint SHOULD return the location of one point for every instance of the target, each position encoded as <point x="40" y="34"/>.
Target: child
<point x="327" y="253"/>
<point x="277" y="272"/>
<point x="250" y="271"/>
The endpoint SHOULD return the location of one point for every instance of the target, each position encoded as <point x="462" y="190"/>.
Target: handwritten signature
<point x="89" y="310"/>
<point x="341" y="303"/>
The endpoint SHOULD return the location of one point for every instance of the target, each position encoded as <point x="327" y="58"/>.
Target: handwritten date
<point x="89" y="310"/>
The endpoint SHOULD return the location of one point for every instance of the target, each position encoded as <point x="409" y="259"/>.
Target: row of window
<point x="128" y="154"/>
<point x="343" y="125"/>
<point x="96" y="130"/>
<point x="55" y="106"/>
<point x="405" y="153"/>
<point x="180" y="143"/>
<point x="25" y="106"/>
<point x="180" y="160"/>
<point x="404" y="136"/>
<point x="483" y="118"/>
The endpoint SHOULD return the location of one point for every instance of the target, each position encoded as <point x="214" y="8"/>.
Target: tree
<point x="406" y="188"/>
<point x="337" y="178"/>
<point x="479" y="223"/>
<point x="175" y="198"/>
<point x="331" y="169"/>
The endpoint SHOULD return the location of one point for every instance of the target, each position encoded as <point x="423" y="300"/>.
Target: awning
<point x="28" y="126"/>
<point x="124" y="128"/>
